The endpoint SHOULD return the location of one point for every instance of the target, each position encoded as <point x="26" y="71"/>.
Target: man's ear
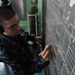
<point x="1" y="29"/>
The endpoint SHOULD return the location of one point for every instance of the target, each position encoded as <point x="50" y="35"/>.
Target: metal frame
<point x="44" y="2"/>
<point x="43" y="22"/>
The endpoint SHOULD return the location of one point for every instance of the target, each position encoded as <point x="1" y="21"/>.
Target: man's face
<point x="11" y="27"/>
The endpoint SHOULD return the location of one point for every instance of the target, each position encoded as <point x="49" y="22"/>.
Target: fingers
<point x="46" y="56"/>
<point x="47" y="53"/>
<point x="47" y="47"/>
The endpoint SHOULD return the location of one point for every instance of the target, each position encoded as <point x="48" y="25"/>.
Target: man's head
<point x="9" y="21"/>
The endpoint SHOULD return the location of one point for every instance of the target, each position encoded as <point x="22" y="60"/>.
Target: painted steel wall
<point x="60" y="32"/>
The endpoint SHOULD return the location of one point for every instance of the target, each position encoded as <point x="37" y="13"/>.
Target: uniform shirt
<point x="16" y="53"/>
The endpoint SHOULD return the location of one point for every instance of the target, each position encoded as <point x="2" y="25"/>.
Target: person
<point x="14" y="48"/>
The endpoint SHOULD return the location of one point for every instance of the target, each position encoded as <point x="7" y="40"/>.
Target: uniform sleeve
<point x="38" y="65"/>
<point x="2" y="56"/>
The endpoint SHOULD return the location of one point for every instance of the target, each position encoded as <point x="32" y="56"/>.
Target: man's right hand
<point x="47" y="53"/>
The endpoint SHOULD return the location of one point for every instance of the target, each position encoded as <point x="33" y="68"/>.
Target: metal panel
<point x="60" y="25"/>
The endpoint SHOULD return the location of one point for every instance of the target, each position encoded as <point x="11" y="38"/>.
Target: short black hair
<point x="6" y="13"/>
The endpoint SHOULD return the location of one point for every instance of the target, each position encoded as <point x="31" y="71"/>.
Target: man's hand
<point x="47" y="53"/>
